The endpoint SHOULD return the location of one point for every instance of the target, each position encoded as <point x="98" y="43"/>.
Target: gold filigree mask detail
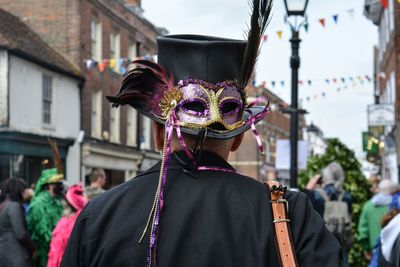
<point x="170" y="101"/>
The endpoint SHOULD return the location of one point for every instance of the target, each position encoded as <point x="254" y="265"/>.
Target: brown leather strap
<point x="281" y="223"/>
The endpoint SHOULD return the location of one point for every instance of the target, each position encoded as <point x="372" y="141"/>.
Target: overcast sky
<point x="339" y="50"/>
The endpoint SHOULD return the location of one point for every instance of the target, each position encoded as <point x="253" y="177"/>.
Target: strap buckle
<point x="281" y="201"/>
<point x="281" y="220"/>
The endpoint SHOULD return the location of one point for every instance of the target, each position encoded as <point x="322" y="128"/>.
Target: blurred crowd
<point x="378" y="228"/>
<point x="36" y="221"/>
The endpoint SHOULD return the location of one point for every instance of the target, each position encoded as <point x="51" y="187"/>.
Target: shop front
<point x="24" y="155"/>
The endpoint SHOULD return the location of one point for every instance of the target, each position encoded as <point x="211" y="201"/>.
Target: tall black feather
<point x="258" y="23"/>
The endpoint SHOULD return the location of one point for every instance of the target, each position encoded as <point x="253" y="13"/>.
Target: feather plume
<point x="143" y="86"/>
<point x="56" y="156"/>
<point x="258" y="23"/>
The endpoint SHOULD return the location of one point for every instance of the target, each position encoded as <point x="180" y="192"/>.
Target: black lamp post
<point x="295" y="8"/>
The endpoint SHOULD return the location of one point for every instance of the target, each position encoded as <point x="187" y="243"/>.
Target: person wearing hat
<point x="75" y="200"/>
<point x="44" y="212"/>
<point x="193" y="208"/>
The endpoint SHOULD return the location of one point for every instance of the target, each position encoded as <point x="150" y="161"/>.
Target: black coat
<point x="213" y="218"/>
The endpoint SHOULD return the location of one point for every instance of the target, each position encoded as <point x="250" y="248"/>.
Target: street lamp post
<point x="295" y="8"/>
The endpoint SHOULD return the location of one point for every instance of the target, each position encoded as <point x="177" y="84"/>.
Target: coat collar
<point x="179" y="160"/>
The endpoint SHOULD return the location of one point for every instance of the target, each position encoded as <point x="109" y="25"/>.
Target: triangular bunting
<point x="309" y="82"/>
<point x="273" y="83"/>
<point x="283" y="83"/>
<point x="265" y="37"/>
<point x="327" y="81"/>
<point x="351" y="12"/>
<point x="306" y="26"/>
<point x="334" y="80"/>
<point x="335" y="18"/>
<point x="102" y="65"/>
<point x="279" y="33"/>
<point x="385" y="3"/>
<point x="322" y="22"/>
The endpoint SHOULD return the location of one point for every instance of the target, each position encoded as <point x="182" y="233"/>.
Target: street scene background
<point x="60" y="59"/>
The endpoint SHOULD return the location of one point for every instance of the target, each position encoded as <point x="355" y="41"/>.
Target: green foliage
<point x="355" y="183"/>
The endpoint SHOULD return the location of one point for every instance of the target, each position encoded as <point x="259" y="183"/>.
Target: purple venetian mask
<point x="199" y="104"/>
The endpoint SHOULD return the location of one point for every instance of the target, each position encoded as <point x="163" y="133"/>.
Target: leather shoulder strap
<point x="283" y="238"/>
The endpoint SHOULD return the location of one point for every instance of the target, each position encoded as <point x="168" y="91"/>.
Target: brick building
<point x="387" y="82"/>
<point x="108" y="33"/>
<point x="276" y="125"/>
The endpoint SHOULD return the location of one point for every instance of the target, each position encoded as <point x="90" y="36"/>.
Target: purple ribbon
<point x="169" y="125"/>
<point x="253" y="118"/>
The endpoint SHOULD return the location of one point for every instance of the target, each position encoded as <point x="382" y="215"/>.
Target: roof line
<point x="44" y="64"/>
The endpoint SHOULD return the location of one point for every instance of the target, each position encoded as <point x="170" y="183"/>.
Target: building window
<point x="96" y="113"/>
<point x="114" y="125"/>
<point x="146" y="133"/>
<point x="96" y="40"/>
<point x="115" y="51"/>
<point x="132" y="127"/>
<point x="47" y="98"/>
<point x="132" y="51"/>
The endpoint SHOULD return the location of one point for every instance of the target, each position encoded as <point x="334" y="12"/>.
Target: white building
<point x="39" y="98"/>
<point x="315" y="140"/>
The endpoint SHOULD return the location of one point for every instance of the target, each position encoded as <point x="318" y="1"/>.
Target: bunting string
<point x="114" y="64"/>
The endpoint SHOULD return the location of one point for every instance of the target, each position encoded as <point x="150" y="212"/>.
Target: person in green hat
<point x="45" y="211"/>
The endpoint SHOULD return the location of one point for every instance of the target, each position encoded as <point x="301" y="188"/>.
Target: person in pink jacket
<point x="75" y="201"/>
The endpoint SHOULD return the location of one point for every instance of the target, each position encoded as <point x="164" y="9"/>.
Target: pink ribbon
<point x="253" y="118"/>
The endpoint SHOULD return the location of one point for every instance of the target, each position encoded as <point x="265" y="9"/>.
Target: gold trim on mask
<point x="172" y="98"/>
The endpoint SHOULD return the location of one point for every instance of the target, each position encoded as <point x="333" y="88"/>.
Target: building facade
<point x="276" y="125"/>
<point x="39" y="99"/>
<point x="100" y="37"/>
<point x="387" y="81"/>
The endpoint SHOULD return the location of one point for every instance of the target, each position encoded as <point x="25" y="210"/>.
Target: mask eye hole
<point x="196" y="107"/>
<point x="230" y="106"/>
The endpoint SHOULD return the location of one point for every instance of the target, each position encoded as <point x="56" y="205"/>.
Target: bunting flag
<point x="322" y="21"/>
<point x="351" y="12"/>
<point x="102" y="65"/>
<point x="265" y="37"/>
<point x="90" y="63"/>
<point x="279" y="33"/>
<point x="323" y="94"/>
<point x="335" y="18"/>
<point x="112" y="63"/>
<point x="306" y="26"/>
<point x="349" y="80"/>
<point x="385" y="3"/>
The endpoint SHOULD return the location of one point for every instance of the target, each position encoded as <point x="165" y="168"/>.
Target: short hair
<point x="13" y="188"/>
<point x="95" y="174"/>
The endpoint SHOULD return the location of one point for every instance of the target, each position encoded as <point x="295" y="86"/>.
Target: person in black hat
<point x="192" y="208"/>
